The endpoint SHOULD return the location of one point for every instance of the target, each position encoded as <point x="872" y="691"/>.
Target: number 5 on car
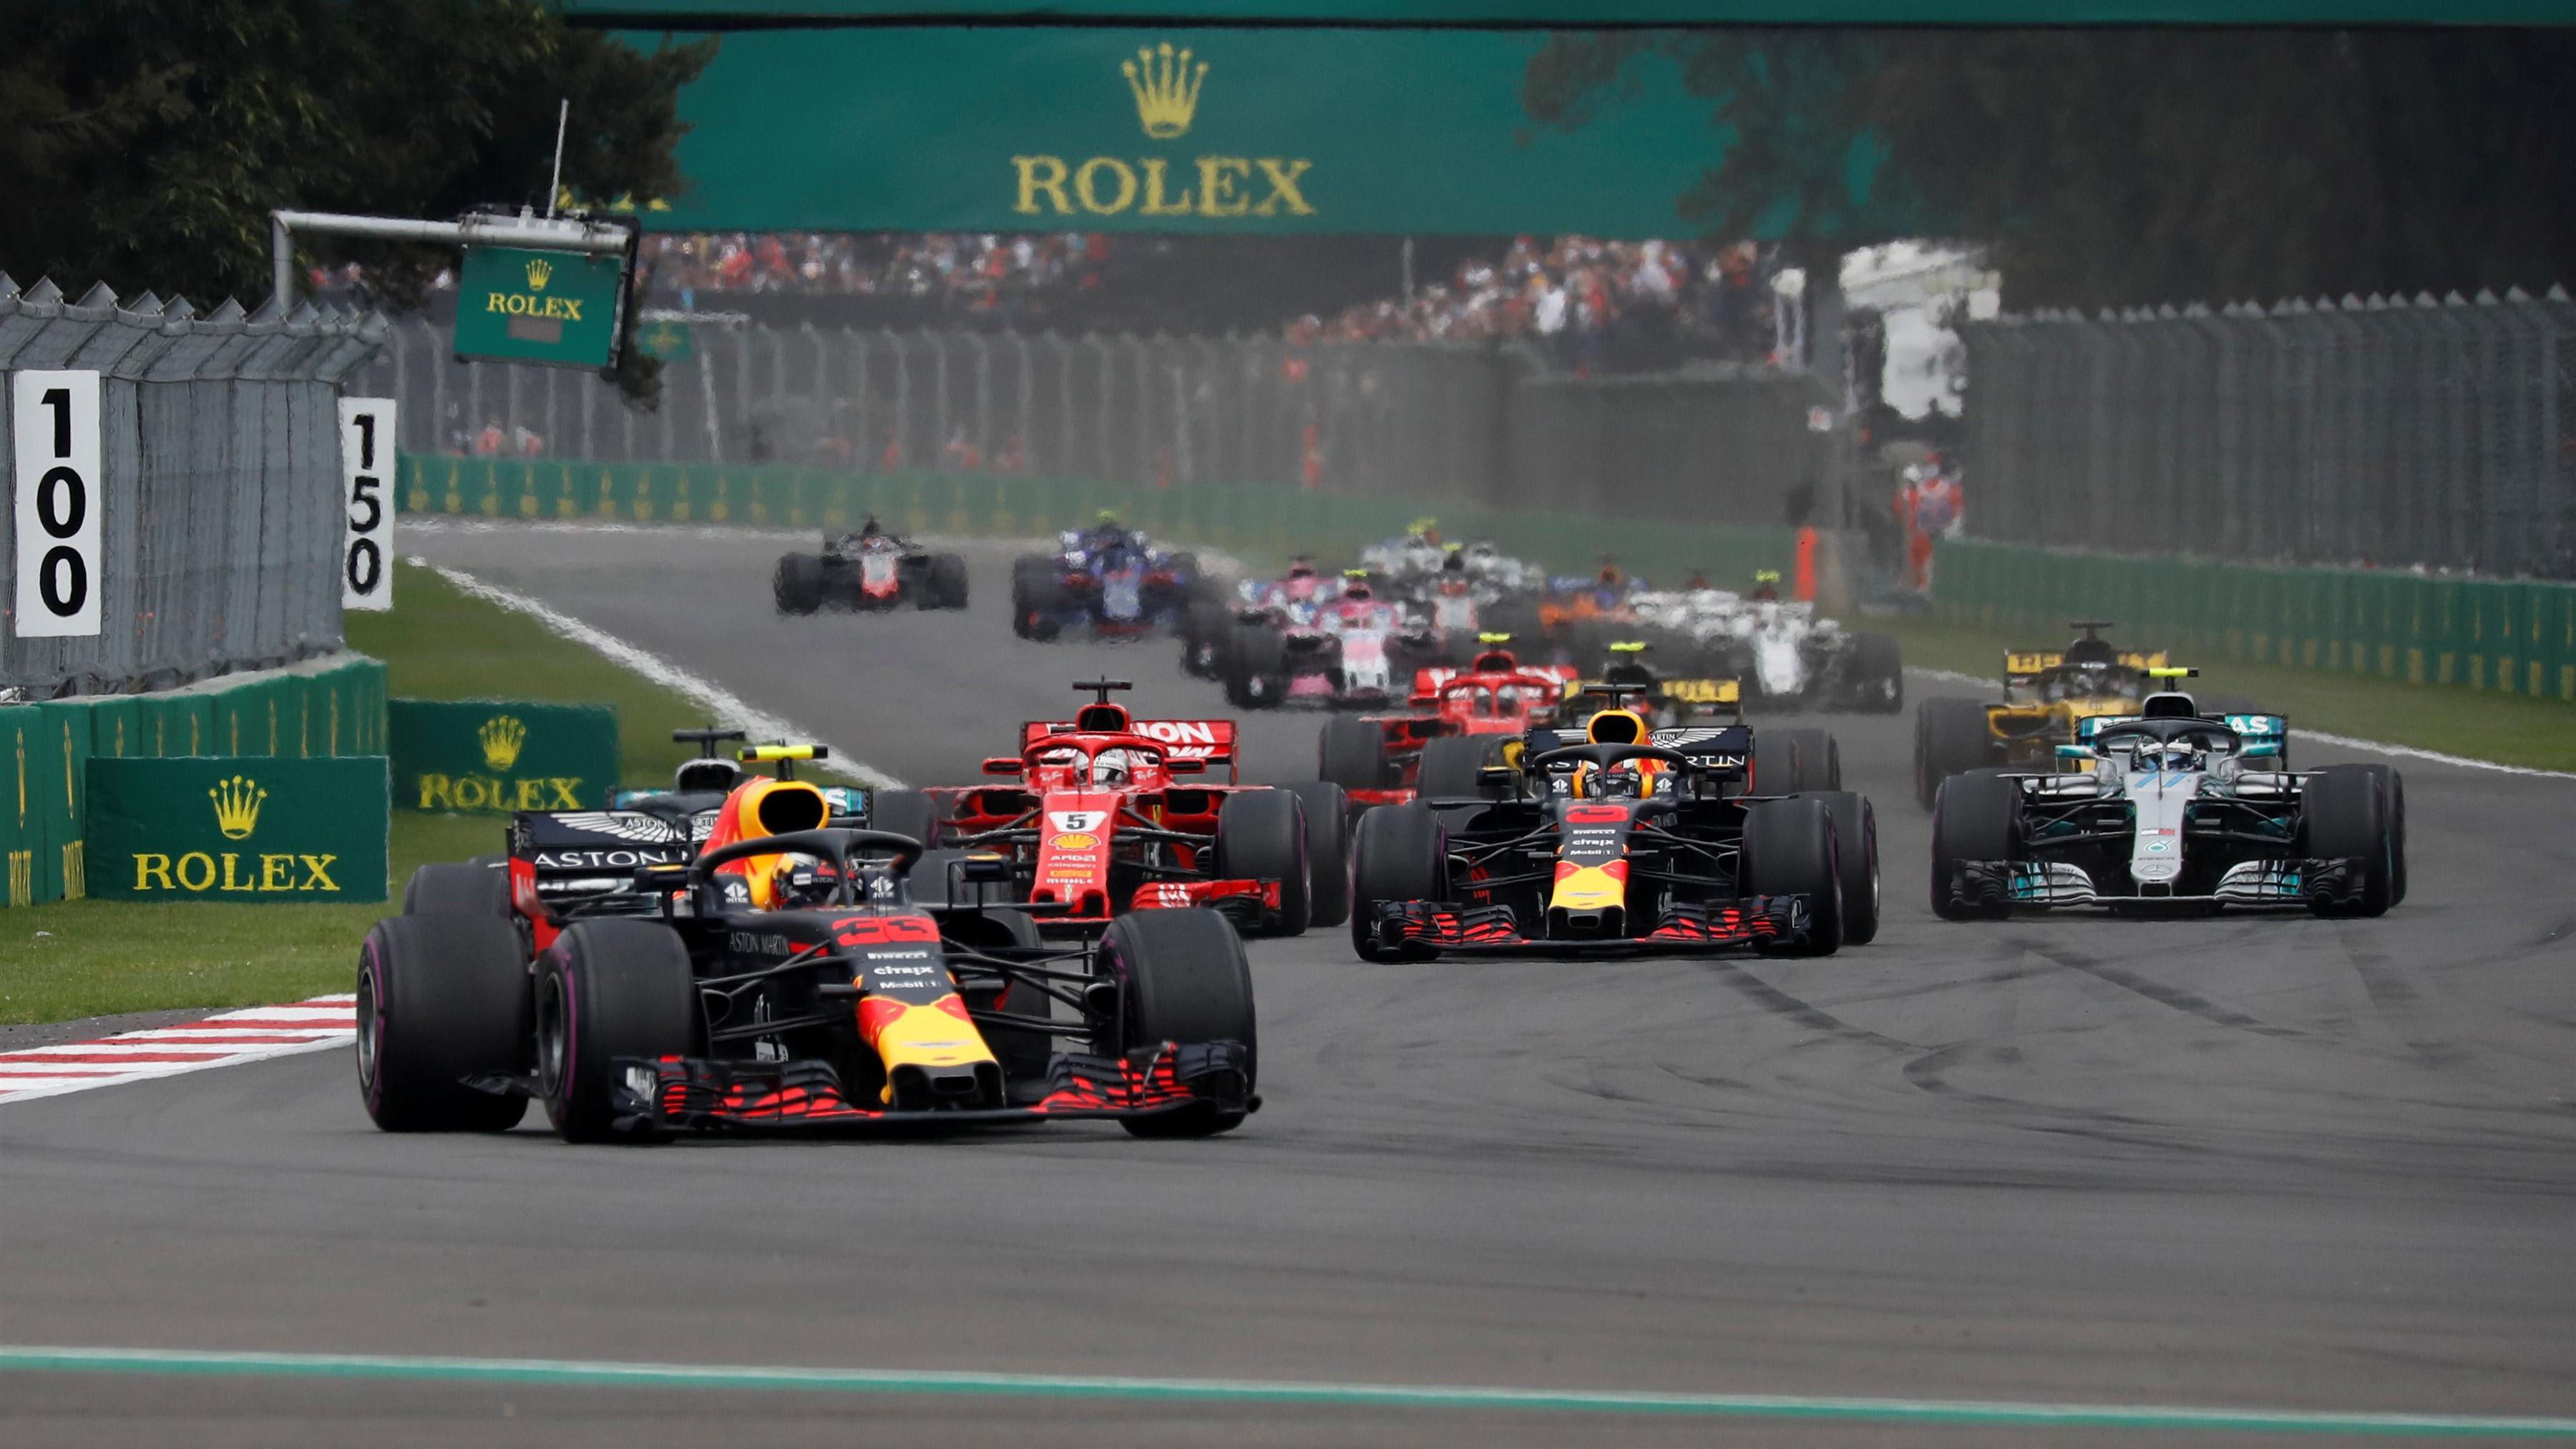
<point x="55" y="422"/>
<point x="367" y="503"/>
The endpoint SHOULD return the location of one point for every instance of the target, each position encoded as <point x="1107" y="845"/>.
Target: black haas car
<point x="816" y="979"/>
<point x="869" y="569"/>
<point x="1616" y="838"/>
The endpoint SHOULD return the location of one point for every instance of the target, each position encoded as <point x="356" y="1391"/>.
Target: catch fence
<point x="2381" y="432"/>
<point x="1481" y="426"/>
<point x="219" y="487"/>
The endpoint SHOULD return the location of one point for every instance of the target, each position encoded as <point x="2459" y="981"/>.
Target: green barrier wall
<point x="311" y="712"/>
<point x="239" y="828"/>
<point x="1262" y="523"/>
<point x="494" y="756"/>
<point x="2513" y="635"/>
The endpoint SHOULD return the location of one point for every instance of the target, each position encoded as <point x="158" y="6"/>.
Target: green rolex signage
<point x="498" y="756"/>
<point x="247" y="828"/>
<point x="1198" y="130"/>
<point x="560" y="308"/>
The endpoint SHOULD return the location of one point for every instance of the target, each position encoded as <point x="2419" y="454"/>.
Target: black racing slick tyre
<point x="1856" y="853"/>
<point x="1975" y="816"/>
<point x="1774" y="764"/>
<point x="908" y="813"/>
<point x="798" y="584"/>
<point x="1951" y="737"/>
<point x="2347" y="814"/>
<point x="1820" y="759"/>
<point x="1451" y="765"/>
<point x="1400" y="854"/>
<point x="1182" y="977"/>
<point x="1037" y="597"/>
<point x="2395" y="786"/>
<point x="469" y="888"/>
<point x="947" y="581"/>
<point x="1256" y="667"/>
<point x="441" y="998"/>
<point x="1328" y="851"/>
<point x="1878" y="674"/>
<point x="1351" y="753"/>
<point x="1789" y="850"/>
<point x="605" y="990"/>
<point x="1206" y="624"/>
<point x="1261" y="835"/>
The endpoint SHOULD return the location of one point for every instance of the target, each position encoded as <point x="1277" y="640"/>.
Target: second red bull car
<point x="1616" y="838"/>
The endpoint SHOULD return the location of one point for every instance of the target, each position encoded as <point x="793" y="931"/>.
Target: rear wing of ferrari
<point x="1211" y="740"/>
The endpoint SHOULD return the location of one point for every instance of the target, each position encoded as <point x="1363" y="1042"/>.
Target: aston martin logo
<point x="502" y="737"/>
<point x="1166" y="85"/>
<point x="237" y="803"/>
<point x="540" y="271"/>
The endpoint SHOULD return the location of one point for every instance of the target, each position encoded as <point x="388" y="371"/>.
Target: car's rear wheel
<point x="1351" y="753"/>
<point x="1400" y="854"/>
<point x="1037" y="596"/>
<point x="1950" y="738"/>
<point x="1452" y="764"/>
<point x="441" y="998"/>
<point x="908" y="813"/>
<point x="2346" y="814"/>
<point x="1261" y="835"/>
<point x="470" y="888"/>
<point x="1820" y="759"/>
<point x="1182" y="977"/>
<point x="1878" y="673"/>
<point x="1789" y="850"/>
<point x="1328" y="851"/>
<point x="1205" y="627"/>
<point x="945" y="582"/>
<point x="1976" y="816"/>
<point x="1256" y="667"/>
<point x="798" y="584"/>
<point x="1856" y="854"/>
<point x="606" y="990"/>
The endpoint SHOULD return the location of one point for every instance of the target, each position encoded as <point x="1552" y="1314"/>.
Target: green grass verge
<point x="2510" y="729"/>
<point x="69" y="959"/>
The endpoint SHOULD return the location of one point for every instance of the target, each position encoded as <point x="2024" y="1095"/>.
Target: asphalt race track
<point x="2242" y="1162"/>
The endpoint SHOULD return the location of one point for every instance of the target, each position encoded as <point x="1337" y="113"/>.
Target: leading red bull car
<point x="1456" y="724"/>
<point x="805" y="980"/>
<point x="1105" y="814"/>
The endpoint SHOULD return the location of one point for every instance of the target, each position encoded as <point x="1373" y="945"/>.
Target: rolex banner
<point x="244" y="828"/>
<point x="497" y="756"/>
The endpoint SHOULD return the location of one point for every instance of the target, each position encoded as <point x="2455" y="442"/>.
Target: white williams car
<point x="2177" y="809"/>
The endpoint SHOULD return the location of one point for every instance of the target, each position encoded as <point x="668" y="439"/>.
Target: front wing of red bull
<point x="700" y="1094"/>
<point x="1691" y="928"/>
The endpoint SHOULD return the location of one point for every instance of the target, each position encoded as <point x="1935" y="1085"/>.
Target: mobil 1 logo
<point x="54" y="420"/>
<point x="367" y="522"/>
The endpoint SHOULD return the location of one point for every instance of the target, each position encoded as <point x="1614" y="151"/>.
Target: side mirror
<point x="1004" y="765"/>
<point x="1497" y="777"/>
<point x="985" y="868"/>
<point x="1185" y="767"/>
<point x="2078" y="752"/>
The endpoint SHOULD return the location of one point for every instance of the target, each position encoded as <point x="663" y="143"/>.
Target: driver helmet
<point x="1113" y="767"/>
<point x="1356" y="586"/>
<point x="802" y="882"/>
<point x="1301" y="567"/>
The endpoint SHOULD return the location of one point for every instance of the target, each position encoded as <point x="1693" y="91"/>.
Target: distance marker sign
<point x="558" y="308"/>
<point x="367" y="521"/>
<point x="54" y="420"/>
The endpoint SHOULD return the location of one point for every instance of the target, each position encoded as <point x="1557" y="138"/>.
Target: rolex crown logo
<point x="540" y="271"/>
<point x="502" y="737"/>
<point x="1166" y="87"/>
<point x="237" y="803"/>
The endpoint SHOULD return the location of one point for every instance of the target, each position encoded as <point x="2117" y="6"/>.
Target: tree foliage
<point x="144" y="142"/>
<point x="2125" y="167"/>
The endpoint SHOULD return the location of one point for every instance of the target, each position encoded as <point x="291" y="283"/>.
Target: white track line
<point x="728" y="707"/>
<point x="254" y="1033"/>
<point x="1952" y="676"/>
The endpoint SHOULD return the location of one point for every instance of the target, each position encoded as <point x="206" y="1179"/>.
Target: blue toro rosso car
<point x="1108" y="579"/>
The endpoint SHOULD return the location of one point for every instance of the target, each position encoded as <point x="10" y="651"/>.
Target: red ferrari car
<point x="1457" y="720"/>
<point x="1105" y="813"/>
